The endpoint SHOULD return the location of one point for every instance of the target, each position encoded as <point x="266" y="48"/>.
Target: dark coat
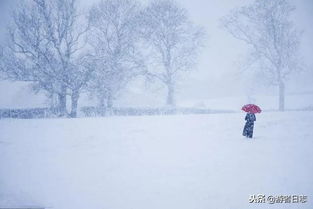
<point x="248" y="129"/>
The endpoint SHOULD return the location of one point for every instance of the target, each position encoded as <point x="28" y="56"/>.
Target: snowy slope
<point x="19" y="95"/>
<point x="157" y="162"/>
<point x="266" y="102"/>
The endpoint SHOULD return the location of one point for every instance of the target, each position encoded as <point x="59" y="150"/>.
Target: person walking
<point x="250" y="109"/>
<point x="248" y="129"/>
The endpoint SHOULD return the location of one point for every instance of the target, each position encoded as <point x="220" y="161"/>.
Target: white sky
<point x="217" y="71"/>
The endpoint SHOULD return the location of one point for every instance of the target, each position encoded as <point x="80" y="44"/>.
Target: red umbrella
<point x="251" y="108"/>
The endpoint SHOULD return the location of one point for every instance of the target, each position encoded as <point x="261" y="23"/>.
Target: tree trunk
<point x="110" y="101"/>
<point x="109" y="109"/>
<point x="62" y="102"/>
<point x="170" y="101"/>
<point x="54" y="103"/>
<point x="101" y="100"/>
<point x="281" y="101"/>
<point x="74" y="100"/>
<point x="102" y="105"/>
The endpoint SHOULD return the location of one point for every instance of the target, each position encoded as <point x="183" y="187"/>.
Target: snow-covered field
<point x="156" y="162"/>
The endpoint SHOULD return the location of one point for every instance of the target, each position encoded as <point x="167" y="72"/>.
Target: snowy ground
<point x="156" y="162"/>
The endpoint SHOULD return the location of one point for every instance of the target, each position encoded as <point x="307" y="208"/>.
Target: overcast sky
<point x="217" y="71"/>
<point x="223" y="51"/>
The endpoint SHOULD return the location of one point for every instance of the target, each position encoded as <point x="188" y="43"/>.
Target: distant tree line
<point x="64" y="52"/>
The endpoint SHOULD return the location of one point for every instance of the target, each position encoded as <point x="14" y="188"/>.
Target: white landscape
<point x="143" y="104"/>
<point x="183" y="161"/>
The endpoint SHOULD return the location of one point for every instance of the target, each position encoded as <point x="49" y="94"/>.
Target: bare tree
<point x="27" y="52"/>
<point x="174" y="43"/>
<point x="45" y="42"/>
<point x="114" y="37"/>
<point x="267" y="28"/>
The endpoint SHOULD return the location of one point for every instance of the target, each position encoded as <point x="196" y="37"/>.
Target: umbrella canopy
<point x="251" y="108"/>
